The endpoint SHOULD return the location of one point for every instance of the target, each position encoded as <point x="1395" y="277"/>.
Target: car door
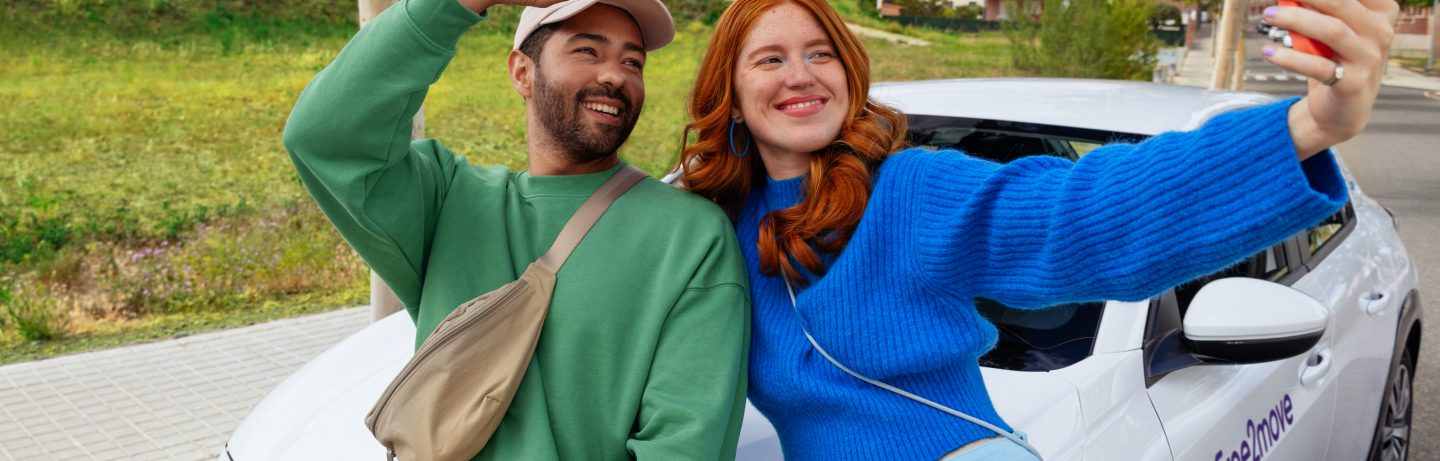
<point x="1339" y="254"/>
<point x="1239" y="412"/>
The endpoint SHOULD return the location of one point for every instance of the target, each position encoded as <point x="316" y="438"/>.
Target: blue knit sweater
<point x="941" y="228"/>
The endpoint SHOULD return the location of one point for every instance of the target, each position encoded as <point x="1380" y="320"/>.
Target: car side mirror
<point x="1244" y="320"/>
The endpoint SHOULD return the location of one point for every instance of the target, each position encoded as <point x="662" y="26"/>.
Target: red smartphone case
<point x="1305" y="44"/>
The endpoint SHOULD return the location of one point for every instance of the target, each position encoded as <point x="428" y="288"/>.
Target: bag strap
<point x="877" y="383"/>
<point x="589" y="212"/>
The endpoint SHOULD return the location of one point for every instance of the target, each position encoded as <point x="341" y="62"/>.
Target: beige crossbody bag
<point x="447" y="401"/>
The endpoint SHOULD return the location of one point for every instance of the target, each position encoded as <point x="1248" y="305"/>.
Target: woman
<point x="887" y="251"/>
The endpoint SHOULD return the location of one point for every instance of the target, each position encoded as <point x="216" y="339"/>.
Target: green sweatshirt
<point x="643" y="353"/>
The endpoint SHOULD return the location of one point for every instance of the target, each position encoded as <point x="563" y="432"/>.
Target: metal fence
<point x="961" y="25"/>
<point x="1169" y="36"/>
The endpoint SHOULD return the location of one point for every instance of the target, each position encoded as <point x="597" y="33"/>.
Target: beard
<point x="561" y="116"/>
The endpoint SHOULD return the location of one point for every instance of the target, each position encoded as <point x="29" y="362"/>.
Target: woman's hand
<point x="1360" y="32"/>
<point x="479" y="6"/>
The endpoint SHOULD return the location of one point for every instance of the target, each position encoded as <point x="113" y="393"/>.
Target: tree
<point x="925" y="8"/>
<point x="1084" y="38"/>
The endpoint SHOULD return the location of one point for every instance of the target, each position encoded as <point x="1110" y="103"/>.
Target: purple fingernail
<point x="1270" y="12"/>
<point x="1269" y="50"/>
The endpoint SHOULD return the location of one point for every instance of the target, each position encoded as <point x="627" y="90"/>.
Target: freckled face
<point x="790" y="87"/>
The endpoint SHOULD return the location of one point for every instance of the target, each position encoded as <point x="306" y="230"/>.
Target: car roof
<point x="1110" y="105"/>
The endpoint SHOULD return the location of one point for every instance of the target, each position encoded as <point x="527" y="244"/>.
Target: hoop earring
<point x="732" y="141"/>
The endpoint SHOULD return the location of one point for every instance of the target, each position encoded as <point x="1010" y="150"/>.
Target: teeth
<point x="800" y="105"/>
<point x="595" y="106"/>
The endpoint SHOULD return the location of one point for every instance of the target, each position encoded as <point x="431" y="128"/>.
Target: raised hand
<point x="1360" y="32"/>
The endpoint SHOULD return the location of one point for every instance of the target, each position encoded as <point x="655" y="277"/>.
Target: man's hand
<point x="1360" y="32"/>
<point x="479" y="6"/>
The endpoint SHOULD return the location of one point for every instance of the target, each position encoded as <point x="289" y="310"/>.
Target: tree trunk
<point x="1434" y="34"/>
<point x="1237" y="75"/>
<point x="1230" y="54"/>
<point x="382" y="300"/>
<point x="1225" y="48"/>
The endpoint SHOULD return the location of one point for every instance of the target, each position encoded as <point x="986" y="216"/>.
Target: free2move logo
<point x="1261" y="435"/>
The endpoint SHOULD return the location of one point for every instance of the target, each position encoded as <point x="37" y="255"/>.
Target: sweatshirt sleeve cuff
<point x="441" y="21"/>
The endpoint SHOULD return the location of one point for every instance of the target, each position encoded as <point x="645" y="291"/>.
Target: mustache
<point x="606" y="91"/>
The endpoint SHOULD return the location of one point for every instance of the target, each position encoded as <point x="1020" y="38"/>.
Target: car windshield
<point x="1029" y="339"/>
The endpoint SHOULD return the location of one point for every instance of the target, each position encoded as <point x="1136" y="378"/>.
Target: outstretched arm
<point x="1124" y="222"/>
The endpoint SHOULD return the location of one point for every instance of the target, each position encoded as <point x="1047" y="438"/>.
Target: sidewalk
<point x="886" y="36"/>
<point x="169" y="400"/>
<point x="1198" y="67"/>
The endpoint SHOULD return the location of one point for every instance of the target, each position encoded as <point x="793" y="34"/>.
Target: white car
<point x="1305" y="351"/>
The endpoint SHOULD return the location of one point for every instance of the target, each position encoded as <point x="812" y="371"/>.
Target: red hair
<point x="838" y="185"/>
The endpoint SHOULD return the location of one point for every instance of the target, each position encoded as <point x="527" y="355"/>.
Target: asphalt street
<point x="1396" y="161"/>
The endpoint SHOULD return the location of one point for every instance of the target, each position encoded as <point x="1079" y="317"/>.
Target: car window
<point x="1326" y="235"/>
<point x="1044" y="339"/>
<point x="1027" y="339"/>
<point x="1081" y="147"/>
<point x="1004" y="141"/>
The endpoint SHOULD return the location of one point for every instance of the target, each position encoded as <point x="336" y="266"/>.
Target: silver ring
<point x="1335" y="78"/>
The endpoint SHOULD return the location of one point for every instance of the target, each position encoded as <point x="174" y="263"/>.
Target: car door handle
<point x="1374" y="303"/>
<point x="1315" y="367"/>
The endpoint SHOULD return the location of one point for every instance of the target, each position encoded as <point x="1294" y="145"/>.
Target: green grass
<point x="1416" y="64"/>
<point x="101" y="335"/>
<point x="149" y="164"/>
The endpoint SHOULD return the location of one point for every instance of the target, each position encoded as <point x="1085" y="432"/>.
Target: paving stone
<point x="12" y="434"/>
<point x="102" y="445"/>
<point x="24" y="377"/>
<point x="11" y="397"/>
<point x="154" y="427"/>
<point x="171" y="440"/>
<point x="113" y="454"/>
<point x="155" y="454"/>
<point x="86" y="439"/>
<point x="222" y="422"/>
<point x="135" y="441"/>
<point x="26" y="453"/>
<point x="28" y="413"/>
<point x="61" y="415"/>
<point x="54" y="440"/>
<point x="196" y="455"/>
<point x="70" y="454"/>
<point x="16" y="444"/>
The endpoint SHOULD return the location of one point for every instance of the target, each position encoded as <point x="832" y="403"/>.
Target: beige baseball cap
<point x="656" y="26"/>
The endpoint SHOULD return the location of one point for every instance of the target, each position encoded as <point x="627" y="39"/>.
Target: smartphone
<point x="1305" y="44"/>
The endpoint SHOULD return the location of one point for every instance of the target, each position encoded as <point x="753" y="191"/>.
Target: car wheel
<point x="1392" y="437"/>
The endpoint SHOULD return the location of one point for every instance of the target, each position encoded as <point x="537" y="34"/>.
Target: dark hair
<point x="535" y="43"/>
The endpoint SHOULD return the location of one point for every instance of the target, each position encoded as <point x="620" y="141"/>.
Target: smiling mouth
<point x="802" y="105"/>
<point x="602" y="108"/>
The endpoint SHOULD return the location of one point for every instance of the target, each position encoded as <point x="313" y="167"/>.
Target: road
<point x="1396" y="161"/>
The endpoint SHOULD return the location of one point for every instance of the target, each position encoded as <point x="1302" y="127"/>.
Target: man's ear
<point x="522" y="73"/>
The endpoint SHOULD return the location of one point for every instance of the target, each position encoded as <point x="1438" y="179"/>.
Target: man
<point x="642" y="354"/>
